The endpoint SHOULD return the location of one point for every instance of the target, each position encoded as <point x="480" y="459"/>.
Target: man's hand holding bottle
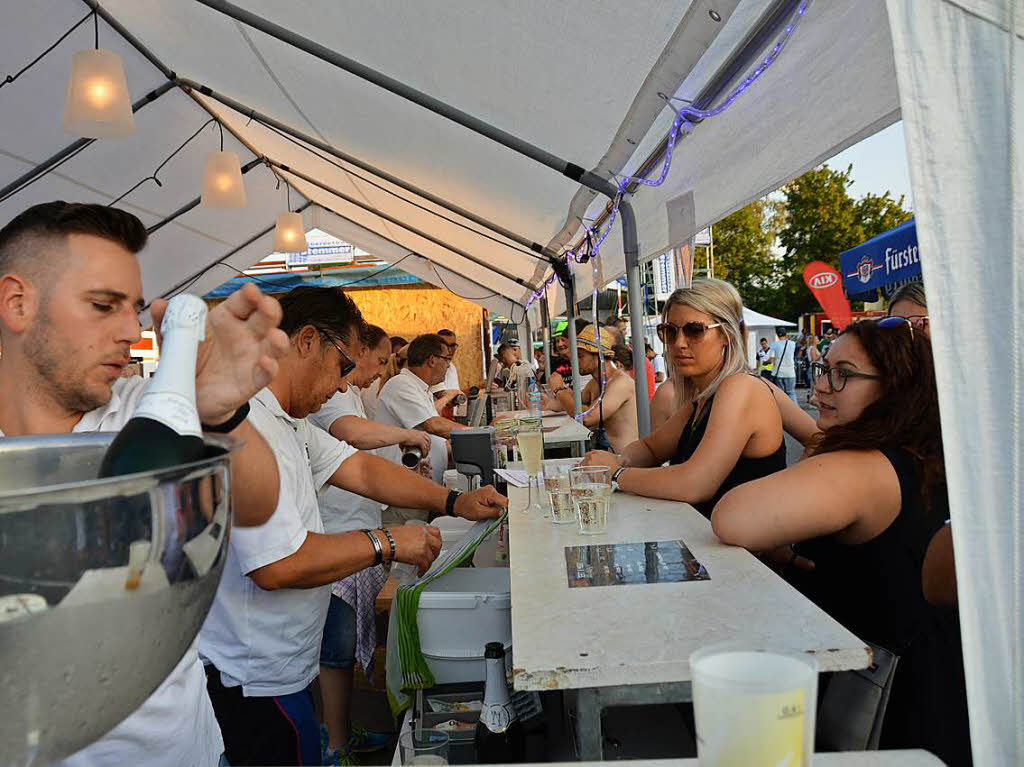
<point x="239" y="354"/>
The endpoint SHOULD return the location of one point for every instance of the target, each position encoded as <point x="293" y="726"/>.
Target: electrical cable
<point x="37" y="59"/>
<point x="329" y="160"/>
<point x="492" y="294"/>
<point x="161" y="165"/>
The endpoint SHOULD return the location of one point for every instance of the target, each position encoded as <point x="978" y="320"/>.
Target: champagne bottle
<point x="165" y="429"/>
<point x="499" y="733"/>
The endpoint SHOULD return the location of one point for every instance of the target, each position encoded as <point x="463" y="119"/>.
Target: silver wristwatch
<point x="615" y="477"/>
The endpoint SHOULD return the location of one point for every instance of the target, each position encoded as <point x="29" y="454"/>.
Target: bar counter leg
<point x="588" y="725"/>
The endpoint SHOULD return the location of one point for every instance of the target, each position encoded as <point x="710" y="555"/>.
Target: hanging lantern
<point x="98" y="104"/>
<point x="222" y="181"/>
<point x="290" y="234"/>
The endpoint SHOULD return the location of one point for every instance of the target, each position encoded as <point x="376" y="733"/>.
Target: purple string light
<point x="683" y="118"/>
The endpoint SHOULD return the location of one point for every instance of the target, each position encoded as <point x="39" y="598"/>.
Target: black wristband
<point x="449" y="505"/>
<point x="232" y="423"/>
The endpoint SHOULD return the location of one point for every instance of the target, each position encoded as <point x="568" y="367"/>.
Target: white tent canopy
<point x="581" y="81"/>
<point x="754" y="319"/>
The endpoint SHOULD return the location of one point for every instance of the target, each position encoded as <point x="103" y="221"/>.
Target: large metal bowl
<point x="73" y="668"/>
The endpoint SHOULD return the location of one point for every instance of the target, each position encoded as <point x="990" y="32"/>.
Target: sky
<point x="879" y="165"/>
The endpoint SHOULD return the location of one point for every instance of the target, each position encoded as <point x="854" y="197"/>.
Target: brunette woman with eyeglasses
<point x="726" y="430"/>
<point x="863" y="507"/>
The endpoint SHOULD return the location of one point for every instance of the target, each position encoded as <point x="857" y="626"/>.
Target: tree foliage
<point x="815" y="220"/>
<point x="743" y="252"/>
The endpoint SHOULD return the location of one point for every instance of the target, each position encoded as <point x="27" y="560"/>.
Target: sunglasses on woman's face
<point x="692" y="331"/>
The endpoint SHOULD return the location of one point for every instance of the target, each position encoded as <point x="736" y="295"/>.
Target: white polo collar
<point x="419" y="381"/>
<point x="267" y="398"/>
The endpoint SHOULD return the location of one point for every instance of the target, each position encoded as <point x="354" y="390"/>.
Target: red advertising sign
<point x="827" y="286"/>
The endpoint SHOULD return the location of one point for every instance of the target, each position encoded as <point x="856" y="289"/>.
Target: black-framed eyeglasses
<point x="442" y="357"/>
<point x="837" y="377"/>
<point x="347" y="363"/>
<point x="692" y="331"/>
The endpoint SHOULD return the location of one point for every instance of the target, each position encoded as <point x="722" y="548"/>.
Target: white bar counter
<point x="561" y="430"/>
<point x="566" y="638"/>
<point x="623" y="645"/>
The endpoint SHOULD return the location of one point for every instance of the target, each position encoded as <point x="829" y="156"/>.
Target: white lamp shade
<point x="98" y="104"/>
<point x="290" y="234"/>
<point x="222" y="181"/>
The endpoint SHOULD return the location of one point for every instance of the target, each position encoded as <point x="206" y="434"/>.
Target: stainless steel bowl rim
<point x="125" y="484"/>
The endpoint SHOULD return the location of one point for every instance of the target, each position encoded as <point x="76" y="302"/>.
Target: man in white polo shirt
<point x="449" y="388"/>
<point x="261" y="640"/>
<point x="352" y="599"/>
<point x="405" y="400"/>
<point x="70" y="296"/>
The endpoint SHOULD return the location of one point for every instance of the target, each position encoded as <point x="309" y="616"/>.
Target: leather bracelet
<point x="232" y="423"/>
<point x="449" y="504"/>
<point x="377" y="549"/>
<point x="391" y="542"/>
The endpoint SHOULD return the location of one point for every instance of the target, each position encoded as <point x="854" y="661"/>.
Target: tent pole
<point x="369" y="209"/>
<point x="362" y="205"/>
<point x="546" y="335"/>
<point x="243" y="109"/>
<point x="631" y="250"/>
<point x="511" y="301"/>
<point x="574" y="356"/>
<point x="195" y="203"/>
<point x="395" y="86"/>
<point x="229" y="254"/>
<point x="75" y="146"/>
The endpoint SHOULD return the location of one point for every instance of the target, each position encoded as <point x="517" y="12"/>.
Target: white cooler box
<point x="458" y="615"/>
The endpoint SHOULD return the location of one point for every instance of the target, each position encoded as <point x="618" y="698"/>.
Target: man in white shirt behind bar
<point x="261" y="640"/>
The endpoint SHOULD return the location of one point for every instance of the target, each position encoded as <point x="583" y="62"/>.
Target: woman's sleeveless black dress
<point x="745" y="470"/>
<point x="874" y="589"/>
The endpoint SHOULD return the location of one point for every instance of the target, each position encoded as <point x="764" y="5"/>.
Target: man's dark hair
<point x="764" y="340"/>
<point x="446" y="332"/>
<point x="580" y="324"/>
<point x="623" y="356"/>
<point x="424" y="347"/>
<point x="781" y="332"/>
<point x="397" y="342"/>
<point x="648" y="347"/>
<point x="329" y="310"/>
<point x="24" y="233"/>
<point x="372" y="335"/>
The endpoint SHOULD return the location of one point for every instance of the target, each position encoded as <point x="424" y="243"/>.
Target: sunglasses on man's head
<point x="692" y="331"/>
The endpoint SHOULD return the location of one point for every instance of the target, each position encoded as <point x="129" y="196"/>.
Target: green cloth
<point x="407" y="669"/>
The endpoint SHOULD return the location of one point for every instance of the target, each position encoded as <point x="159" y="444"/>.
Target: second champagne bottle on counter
<point x="165" y="429"/>
<point x="499" y="733"/>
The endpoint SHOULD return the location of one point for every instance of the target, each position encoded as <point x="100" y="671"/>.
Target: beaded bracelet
<point x="391" y="541"/>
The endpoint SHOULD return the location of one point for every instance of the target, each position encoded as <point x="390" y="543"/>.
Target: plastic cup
<point x="753" y="706"/>
<point x="425" y="747"/>
<point x="591" y="491"/>
<point x="556" y="483"/>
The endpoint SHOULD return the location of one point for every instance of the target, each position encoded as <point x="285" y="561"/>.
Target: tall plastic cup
<point x="754" y="706"/>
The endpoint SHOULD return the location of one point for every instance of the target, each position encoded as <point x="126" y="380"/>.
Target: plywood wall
<point x="411" y="310"/>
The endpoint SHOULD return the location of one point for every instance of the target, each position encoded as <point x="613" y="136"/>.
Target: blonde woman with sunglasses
<point x="726" y="430"/>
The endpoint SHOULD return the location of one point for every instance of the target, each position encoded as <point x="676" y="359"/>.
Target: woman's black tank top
<point x="745" y="470"/>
